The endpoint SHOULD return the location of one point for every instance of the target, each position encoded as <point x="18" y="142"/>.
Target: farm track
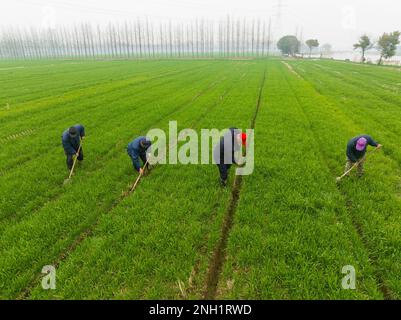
<point x="218" y="257"/>
<point x="358" y="228"/>
<point x="88" y="231"/>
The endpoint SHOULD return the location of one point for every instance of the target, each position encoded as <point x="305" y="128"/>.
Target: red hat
<point x="243" y="138"/>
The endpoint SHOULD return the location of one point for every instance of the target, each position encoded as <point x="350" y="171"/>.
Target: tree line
<point x="386" y="45"/>
<point x="140" y="38"/>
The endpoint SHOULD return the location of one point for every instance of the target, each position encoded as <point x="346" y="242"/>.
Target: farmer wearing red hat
<point x="224" y="151"/>
<point x="356" y="152"/>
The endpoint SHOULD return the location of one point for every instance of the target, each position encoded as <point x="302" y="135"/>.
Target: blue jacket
<point x="71" y="145"/>
<point x="355" y="155"/>
<point x="135" y="150"/>
<point x="222" y="151"/>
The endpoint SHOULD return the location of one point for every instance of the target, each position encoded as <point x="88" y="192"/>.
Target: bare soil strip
<point x="291" y="69"/>
<point x="15" y="136"/>
<point x="219" y="254"/>
<point x="11" y="68"/>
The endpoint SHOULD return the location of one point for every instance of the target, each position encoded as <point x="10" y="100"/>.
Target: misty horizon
<point x="339" y="23"/>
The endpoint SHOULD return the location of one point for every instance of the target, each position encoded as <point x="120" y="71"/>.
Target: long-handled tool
<point x="338" y="179"/>
<point x="139" y="177"/>
<point x="73" y="165"/>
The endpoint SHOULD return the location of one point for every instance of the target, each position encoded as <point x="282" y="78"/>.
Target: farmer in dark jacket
<point x="137" y="150"/>
<point x="224" y="152"/>
<point x="71" y="140"/>
<point x="356" y="152"/>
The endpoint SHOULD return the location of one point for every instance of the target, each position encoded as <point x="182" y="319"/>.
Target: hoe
<point x="73" y="165"/>
<point x="139" y="177"/>
<point x="338" y="179"/>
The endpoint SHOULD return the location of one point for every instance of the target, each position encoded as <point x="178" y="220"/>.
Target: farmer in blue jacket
<point x="224" y="152"/>
<point x="71" y="140"/>
<point x="137" y="150"/>
<point x="356" y="152"/>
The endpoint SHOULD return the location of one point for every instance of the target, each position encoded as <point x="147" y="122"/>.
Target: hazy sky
<point x="338" y="22"/>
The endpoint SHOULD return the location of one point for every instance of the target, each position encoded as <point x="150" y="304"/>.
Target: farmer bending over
<point x="71" y="140"/>
<point x="356" y="152"/>
<point x="223" y="152"/>
<point x="137" y="149"/>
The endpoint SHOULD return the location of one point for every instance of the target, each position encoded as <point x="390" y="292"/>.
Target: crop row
<point x="42" y="105"/>
<point x="292" y="237"/>
<point x="59" y="118"/>
<point x="81" y="204"/>
<point x="49" y="178"/>
<point x="379" y="118"/>
<point x="374" y="204"/>
<point x="368" y="86"/>
<point x="160" y="238"/>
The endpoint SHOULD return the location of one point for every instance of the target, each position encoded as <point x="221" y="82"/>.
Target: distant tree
<point x="312" y="43"/>
<point x="387" y="45"/>
<point x="326" y="49"/>
<point x="288" y="45"/>
<point x="364" y="44"/>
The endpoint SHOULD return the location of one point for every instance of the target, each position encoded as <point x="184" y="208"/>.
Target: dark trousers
<point x="223" y="169"/>
<point x="141" y="155"/>
<point x="70" y="160"/>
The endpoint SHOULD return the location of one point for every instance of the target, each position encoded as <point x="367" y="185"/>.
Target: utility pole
<point x="269" y="37"/>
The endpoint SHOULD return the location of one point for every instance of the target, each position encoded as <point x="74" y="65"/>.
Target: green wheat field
<point x="292" y="229"/>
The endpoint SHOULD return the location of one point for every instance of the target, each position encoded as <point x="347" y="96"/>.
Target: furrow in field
<point x="290" y="239"/>
<point x="218" y="258"/>
<point x="381" y="118"/>
<point x="191" y="289"/>
<point x="364" y="199"/>
<point x="46" y="105"/>
<point x="92" y="205"/>
<point x="357" y="227"/>
<point x="57" y="175"/>
<point x="153" y="234"/>
<point x="46" y="82"/>
<point x="362" y="85"/>
<point x="60" y="87"/>
<point x="15" y="154"/>
<point x="370" y="73"/>
<point x="92" y="77"/>
<point x="89" y="231"/>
